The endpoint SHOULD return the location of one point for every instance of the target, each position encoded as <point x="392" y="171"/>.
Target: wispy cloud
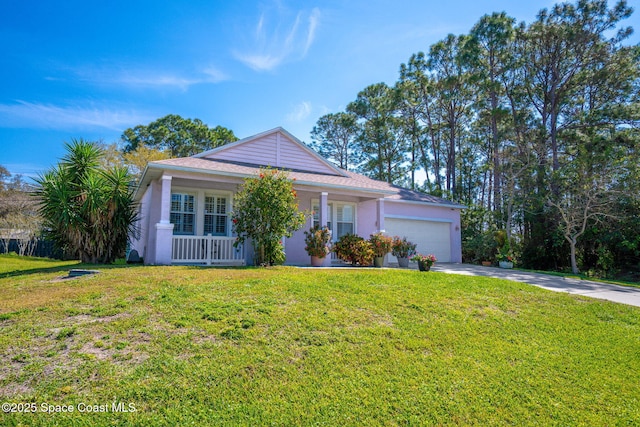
<point x="299" y="112"/>
<point x="272" y="46"/>
<point x="141" y="78"/>
<point x="24" y="114"/>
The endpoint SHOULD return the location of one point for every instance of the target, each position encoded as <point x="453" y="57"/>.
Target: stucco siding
<point x="139" y="243"/>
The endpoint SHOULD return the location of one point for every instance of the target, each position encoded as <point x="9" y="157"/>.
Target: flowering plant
<point x="317" y="240"/>
<point x="381" y="244"/>
<point x="402" y="248"/>
<point x="505" y="254"/>
<point x="428" y="260"/>
<point x="265" y="209"/>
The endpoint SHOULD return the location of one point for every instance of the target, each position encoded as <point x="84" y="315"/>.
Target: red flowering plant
<point x="428" y="260"/>
<point x="381" y="244"/>
<point x="264" y="211"/>
<point x="317" y="240"/>
<point x="403" y="248"/>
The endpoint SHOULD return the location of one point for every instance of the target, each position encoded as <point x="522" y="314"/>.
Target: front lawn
<point x="287" y="346"/>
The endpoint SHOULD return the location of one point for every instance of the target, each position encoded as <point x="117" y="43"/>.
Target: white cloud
<point x="300" y="112"/>
<point x="141" y="78"/>
<point x="311" y="32"/>
<point x="24" y="114"/>
<point x="272" y="46"/>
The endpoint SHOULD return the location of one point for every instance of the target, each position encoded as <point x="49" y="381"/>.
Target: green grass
<point x="286" y="346"/>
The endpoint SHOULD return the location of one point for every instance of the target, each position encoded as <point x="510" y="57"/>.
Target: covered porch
<point x="186" y="219"/>
<point x="206" y="250"/>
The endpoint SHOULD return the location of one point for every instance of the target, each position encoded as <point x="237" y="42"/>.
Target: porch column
<point x="164" y="228"/>
<point x="324" y="209"/>
<point x="380" y="215"/>
<point x="323" y="218"/>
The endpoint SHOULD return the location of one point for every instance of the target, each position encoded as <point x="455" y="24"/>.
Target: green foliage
<point x="354" y="249"/>
<point x="178" y="136"/>
<point x="482" y="247"/>
<point x="497" y="118"/>
<point x="402" y="248"/>
<point x="427" y="260"/>
<point x="380" y="244"/>
<point x="317" y="241"/>
<point x="380" y="139"/>
<point x="264" y="211"/>
<point x="335" y="137"/>
<point x="87" y="211"/>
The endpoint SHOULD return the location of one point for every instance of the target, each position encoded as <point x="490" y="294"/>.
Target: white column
<point x="324" y="209"/>
<point x="164" y="229"/>
<point x="380" y="215"/>
<point x="324" y="219"/>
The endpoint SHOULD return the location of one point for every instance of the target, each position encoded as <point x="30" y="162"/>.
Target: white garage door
<point x="431" y="237"/>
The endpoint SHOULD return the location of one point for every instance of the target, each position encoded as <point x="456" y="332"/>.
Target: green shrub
<point x="354" y="249"/>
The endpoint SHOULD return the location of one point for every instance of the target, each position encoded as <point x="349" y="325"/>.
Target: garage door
<point x="431" y="237"/>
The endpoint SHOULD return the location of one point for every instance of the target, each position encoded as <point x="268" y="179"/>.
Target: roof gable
<point x="276" y="148"/>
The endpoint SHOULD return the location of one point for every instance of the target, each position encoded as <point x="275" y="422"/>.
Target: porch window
<point x="316" y="215"/>
<point x="182" y="216"/>
<point x="345" y="221"/>
<point x="215" y="215"/>
<point x="344" y="213"/>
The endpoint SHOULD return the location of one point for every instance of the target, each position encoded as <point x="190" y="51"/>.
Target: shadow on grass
<point x="78" y="265"/>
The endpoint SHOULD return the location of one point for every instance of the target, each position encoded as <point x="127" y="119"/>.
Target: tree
<point x="88" y="211"/>
<point x="265" y="210"/>
<point x="4" y="174"/>
<point x="380" y="138"/>
<point x="334" y="137"/>
<point x="19" y="219"/>
<point x="454" y="95"/>
<point x="137" y="159"/>
<point x="489" y="51"/>
<point x="419" y="107"/>
<point x="178" y="136"/>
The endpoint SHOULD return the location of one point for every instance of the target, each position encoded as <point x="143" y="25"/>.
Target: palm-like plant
<point x="88" y="211"/>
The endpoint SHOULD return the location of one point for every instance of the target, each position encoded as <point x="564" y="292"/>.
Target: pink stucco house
<point x="185" y="204"/>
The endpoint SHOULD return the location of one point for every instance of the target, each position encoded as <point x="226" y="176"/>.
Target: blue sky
<point x="81" y="69"/>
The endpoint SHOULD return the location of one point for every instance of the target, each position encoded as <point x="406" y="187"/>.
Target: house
<point x="185" y="204"/>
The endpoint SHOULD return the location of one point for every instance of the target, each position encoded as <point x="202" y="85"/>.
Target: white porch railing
<point x="206" y="250"/>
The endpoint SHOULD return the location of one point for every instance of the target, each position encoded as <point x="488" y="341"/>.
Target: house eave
<point x="282" y="130"/>
<point x="154" y="171"/>
<point x="420" y="202"/>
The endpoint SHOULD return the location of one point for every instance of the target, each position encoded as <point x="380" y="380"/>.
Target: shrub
<point x="88" y="210"/>
<point x="354" y="249"/>
<point x="402" y="248"/>
<point x="265" y="210"/>
<point x="381" y="244"/>
<point x="317" y="240"/>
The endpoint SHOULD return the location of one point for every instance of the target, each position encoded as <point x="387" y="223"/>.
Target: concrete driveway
<point x="621" y="294"/>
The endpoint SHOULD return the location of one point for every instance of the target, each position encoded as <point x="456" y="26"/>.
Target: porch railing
<point x="206" y="250"/>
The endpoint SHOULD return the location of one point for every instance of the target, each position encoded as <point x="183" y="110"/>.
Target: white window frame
<point x="179" y="231"/>
<point x="217" y="195"/>
<point x="332" y="207"/>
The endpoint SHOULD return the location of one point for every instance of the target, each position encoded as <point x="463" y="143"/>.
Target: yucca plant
<point x="88" y="211"/>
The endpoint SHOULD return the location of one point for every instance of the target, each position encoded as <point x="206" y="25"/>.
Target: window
<point x="183" y="207"/>
<point x="345" y="220"/>
<point x="344" y="213"/>
<point x="316" y="215"/>
<point x="215" y="215"/>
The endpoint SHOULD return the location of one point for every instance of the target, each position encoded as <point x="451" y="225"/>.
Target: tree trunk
<point x="574" y="264"/>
